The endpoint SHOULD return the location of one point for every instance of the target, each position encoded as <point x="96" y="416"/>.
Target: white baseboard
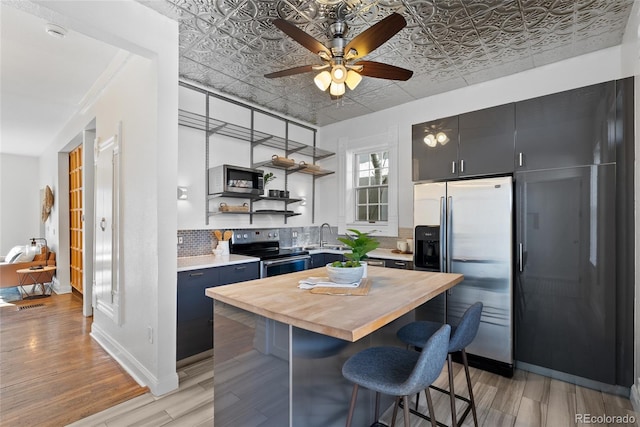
<point x="59" y="288"/>
<point x="157" y="386"/>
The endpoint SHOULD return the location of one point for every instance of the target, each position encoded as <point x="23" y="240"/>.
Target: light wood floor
<point x="51" y="371"/>
<point x="526" y="399"/>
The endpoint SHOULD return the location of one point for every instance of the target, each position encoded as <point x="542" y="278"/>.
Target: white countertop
<point x="208" y="261"/>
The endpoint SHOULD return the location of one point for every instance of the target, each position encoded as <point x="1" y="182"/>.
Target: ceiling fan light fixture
<point x="323" y="80"/>
<point x="339" y="73"/>
<point x="353" y="79"/>
<point x="337" y="89"/>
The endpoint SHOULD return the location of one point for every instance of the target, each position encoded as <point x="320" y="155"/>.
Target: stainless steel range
<point x="265" y="244"/>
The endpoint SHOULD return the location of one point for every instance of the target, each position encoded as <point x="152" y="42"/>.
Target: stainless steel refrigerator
<point x="467" y="227"/>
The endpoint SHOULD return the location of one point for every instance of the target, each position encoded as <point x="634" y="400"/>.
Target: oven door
<point x="275" y="267"/>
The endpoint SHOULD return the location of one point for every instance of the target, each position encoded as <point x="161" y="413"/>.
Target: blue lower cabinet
<point x="194" y="332"/>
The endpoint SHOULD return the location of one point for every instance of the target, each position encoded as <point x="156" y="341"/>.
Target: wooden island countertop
<point x="393" y="293"/>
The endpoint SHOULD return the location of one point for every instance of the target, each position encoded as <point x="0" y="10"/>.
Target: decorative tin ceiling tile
<point x="230" y="44"/>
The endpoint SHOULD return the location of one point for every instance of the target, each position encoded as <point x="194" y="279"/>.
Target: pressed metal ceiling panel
<point x="229" y="45"/>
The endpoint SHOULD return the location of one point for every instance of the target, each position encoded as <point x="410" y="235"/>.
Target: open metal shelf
<point x="214" y="126"/>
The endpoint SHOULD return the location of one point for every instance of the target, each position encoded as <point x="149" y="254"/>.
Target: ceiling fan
<point x="342" y="64"/>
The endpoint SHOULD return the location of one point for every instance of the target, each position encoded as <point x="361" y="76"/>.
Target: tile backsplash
<point x="202" y="242"/>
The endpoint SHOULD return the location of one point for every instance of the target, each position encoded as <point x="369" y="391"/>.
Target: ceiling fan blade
<point x="301" y="37"/>
<point x="291" y="71"/>
<point x="384" y="71"/>
<point x="373" y="37"/>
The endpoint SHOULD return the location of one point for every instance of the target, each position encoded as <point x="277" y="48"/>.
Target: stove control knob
<point x="246" y="236"/>
<point x="238" y="236"/>
<point x="269" y="235"/>
<point x="275" y="235"/>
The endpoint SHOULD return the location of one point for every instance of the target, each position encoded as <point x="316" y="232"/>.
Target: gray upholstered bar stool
<point x="397" y="372"/>
<point x="417" y="333"/>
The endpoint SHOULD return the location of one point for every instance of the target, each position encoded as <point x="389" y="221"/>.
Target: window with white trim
<point x="368" y="188"/>
<point x="371" y="184"/>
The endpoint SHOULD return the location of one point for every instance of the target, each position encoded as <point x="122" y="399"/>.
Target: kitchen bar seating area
<point x="303" y="390"/>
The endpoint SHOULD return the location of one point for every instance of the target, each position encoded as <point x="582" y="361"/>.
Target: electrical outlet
<point x="150" y="334"/>
<point x="180" y="240"/>
<point x="294" y="234"/>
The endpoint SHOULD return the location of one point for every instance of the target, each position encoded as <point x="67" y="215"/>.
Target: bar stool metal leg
<point x="432" y="414"/>
<point x="452" y="396"/>
<point x="405" y="400"/>
<point x="473" y="402"/>
<point x="352" y="406"/>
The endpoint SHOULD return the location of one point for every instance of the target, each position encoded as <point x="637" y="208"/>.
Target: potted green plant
<point x="352" y="270"/>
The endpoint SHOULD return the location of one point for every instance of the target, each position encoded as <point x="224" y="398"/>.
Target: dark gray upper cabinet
<point x="439" y="159"/>
<point x="566" y="129"/>
<point x="477" y="143"/>
<point x="487" y="141"/>
<point x="565" y="296"/>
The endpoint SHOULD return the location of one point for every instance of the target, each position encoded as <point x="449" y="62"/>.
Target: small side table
<point x="41" y="277"/>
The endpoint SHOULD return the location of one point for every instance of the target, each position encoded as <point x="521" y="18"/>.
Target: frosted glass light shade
<point x="353" y="79"/>
<point x="323" y="80"/>
<point x="338" y="73"/>
<point x="336" y="89"/>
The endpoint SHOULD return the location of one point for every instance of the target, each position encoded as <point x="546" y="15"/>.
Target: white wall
<point x="144" y="96"/>
<point x="19" y="200"/>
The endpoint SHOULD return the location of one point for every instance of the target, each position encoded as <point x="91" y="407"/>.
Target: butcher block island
<point x="279" y="349"/>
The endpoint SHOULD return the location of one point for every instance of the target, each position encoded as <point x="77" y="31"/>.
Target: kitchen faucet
<point x="322" y="242"/>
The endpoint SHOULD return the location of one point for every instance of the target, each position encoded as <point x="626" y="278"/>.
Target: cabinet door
<point x="565" y="129"/>
<point x="194" y="332"/>
<point x="239" y="273"/>
<point x="433" y="159"/>
<point x="487" y="141"/>
<point x="565" y="281"/>
<point x="317" y="260"/>
<point x="329" y="257"/>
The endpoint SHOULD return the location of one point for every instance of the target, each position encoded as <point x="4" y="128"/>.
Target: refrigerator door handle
<point x="520" y="257"/>
<point x="449" y="233"/>
<point x="453" y="167"/>
<point x="443" y="226"/>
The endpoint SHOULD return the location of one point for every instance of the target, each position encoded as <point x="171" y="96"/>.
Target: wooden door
<point x="75" y="217"/>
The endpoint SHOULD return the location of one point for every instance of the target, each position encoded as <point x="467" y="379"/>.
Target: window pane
<point x="373" y="195"/>
<point x="362" y="197"/>
<point x="384" y="195"/>
<point x="362" y="213"/>
<point x="363" y="161"/>
<point x="384" y="212"/>
<point x="363" y="182"/>
<point x="373" y="213"/>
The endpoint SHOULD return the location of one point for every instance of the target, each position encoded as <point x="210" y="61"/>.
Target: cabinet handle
<point x="520" y="159"/>
<point x="401" y="264"/>
<point x="196" y="274"/>
<point x="461" y="166"/>
<point x="520" y="257"/>
<point x="453" y="167"/>
<point x="241" y="268"/>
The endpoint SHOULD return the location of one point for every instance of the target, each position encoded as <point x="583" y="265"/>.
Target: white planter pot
<point x="345" y="275"/>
